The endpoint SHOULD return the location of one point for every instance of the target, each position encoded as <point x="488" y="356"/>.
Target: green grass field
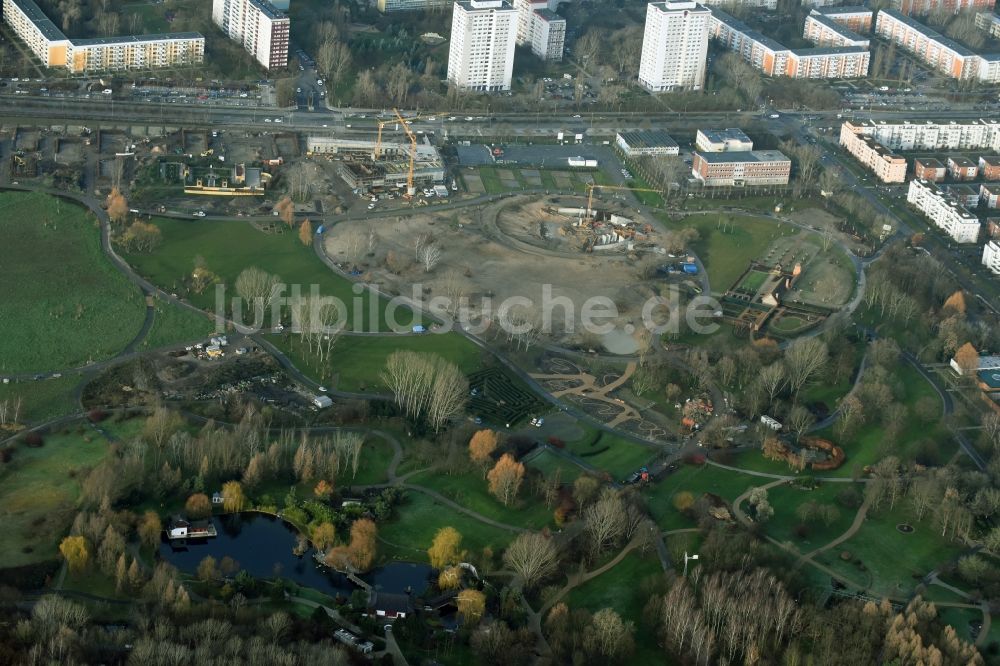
<point x="547" y="463"/>
<point x="419" y="517"/>
<point x="229" y="247"/>
<point x="172" y="325"/>
<point x="471" y="490"/>
<point x="696" y="480"/>
<point x="64" y="304"/>
<point x="786" y="499"/>
<point x="38" y="493"/>
<point x="726" y="254"/>
<point x="610" y="453"/>
<point x="44" y="399"/>
<point x="893" y="561"/>
<point x="357" y="361"/>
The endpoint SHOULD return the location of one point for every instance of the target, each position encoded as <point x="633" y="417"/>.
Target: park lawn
<point x="64" y="303"/>
<point x="611" y="453"/>
<point x="357" y="362"/>
<point x="827" y="392"/>
<point x="491" y="180"/>
<point x="418" y="518"/>
<point x="653" y="199"/>
<point x="471" y="491"/>
<point x="626" y="588"/>
<point x="228" y="247"/>
<point x="764" y="204"/>
<point x="373" y="464"/>
<point x="44" y="399"/>
<point x="894" y="562"/>
<point x="726" y="254"/>
<point x="697" y="480"/>
<point x="959" y="618"/>
<point x="787" y="498"/>
<point x="173" y="324"/>
<point x="547" y="463"/>
<point x="754" y="461"/>
<point x="38" y="493"/>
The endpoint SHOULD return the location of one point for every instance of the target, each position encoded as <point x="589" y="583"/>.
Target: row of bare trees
<point x="426" y="386"/>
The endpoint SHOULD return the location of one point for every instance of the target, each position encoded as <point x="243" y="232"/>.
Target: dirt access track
<point x="510" y="248"/>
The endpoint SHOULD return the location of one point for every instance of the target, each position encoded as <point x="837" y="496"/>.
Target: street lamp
<point x="686" y="558"/>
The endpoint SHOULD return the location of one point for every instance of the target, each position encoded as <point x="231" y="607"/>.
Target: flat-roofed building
<point x="944" y="211"/>
<point x="989" y="195"/>
<point x="853" y="17"/>
<point x="389" y="6"/>
<point x="989" y="22"/>
<point x="674" y="46"/>
<point x="647" y="143"/>
<point x="103" y="54"/>
<point x="989" y="167"/>
<point x="931" y="134"/>
<point x="929" y="168"/>
<point x="962" y="168"/>
<point x="259" y="26"/>
<point x="824" y="31"/>
<point x="548" y="35"/>
<point x="925" y="7"/>
<point x="991" y="256"/>
<point x="731" y="139"/>
<point x="887" y="166"/>
<point x="934" y="49"/>
<point x="481" y="53"/>
<point x="742" y="169"/>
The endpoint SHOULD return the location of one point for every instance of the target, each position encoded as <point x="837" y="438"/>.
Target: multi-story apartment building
<point x="674" y="46"/>
<point x="54" y="49"/>
<point x="989" y="166"/>
<point x="962" y="168"/>
<point x="256" y="24"/>
<point x="525" y="10"/>
<point x="483" y="36"/>
<point x="730" y="140"/>
<point x="387" y="6"/>
<point x="989" y="22"/>
<point x="853" y="17"/>
<point x="773" y="59"/>
<point x="925" y="7"/>
<point x="942" y="209"/>
<point x="825" y="31"/>
<point x="928" y="168"/>
<point x="548" y="34"/>
<point x="739" y="169"/>
<point x="991" y="256"/>
<point x="937" y="51"/>
<point x="888" y="167"/>
<point x="989" y="195"/>
<point x="771" y="5"/>
<point x="930" y="135"/>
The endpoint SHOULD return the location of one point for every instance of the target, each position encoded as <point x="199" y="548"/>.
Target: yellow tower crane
<point x="377" y="153"/>
<point x="410" y="189"/>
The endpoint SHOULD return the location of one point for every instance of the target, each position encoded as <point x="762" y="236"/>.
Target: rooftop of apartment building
<point x="991" y="160"/>
<point x="929" y="162"/>
<point x="44" y="24"/>
<point x="744" y="156"/>
<point x="828" y="50"/>
<point x="479" y="5"/>
<point x="960" y="161"/>
<point x="829" y="23"/>
<point x="741" y="27"/>
<point x="926" y="123"/>
<point x="879" y="149"/>
<point x="548" y="15"/>
<point x="135" y="39"/>
<point x="928" y="32"/>
<point x="846" y="9"/>
<point x="677" y="5"/>
<point x="948" y="200"/>
<point x="268" y="10"/>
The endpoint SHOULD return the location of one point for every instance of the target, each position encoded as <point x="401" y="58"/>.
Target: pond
<point x="262" y="546"/>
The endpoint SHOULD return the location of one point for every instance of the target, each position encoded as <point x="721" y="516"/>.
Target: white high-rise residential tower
<point x="674" y="46"/>
<point x="258" y="25"/>
<point x="481" y="55"/>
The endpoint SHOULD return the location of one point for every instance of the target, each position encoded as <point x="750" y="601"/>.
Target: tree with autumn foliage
<point x="323" y="489"/>
<point x="286" y="210"/>
<point x="505" y="478"/>
<point x="117" y="206"/>
<point x="76" y="551"/>
<point x="198" y="506"/>
<point x="306" y="232"/>
<point x="967" y="359"/>
<point x="445" y="549"/>
<point x="449" y="578"/>
<point x="359" y="554"/>
<point x="233" y="499"/>
<point x="471" y="606"/>
<point x="324" y="536"/>
<point x="481" y="447"/>
<point x="954" y="305"/>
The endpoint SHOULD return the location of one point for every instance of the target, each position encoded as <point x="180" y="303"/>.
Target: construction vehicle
<point x="410" y="189"/>
<point x="594" y="186"/>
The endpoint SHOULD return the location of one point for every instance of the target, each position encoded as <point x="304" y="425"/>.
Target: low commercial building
<point x="934" y="49"/>
<point x="731" y="139"/>
<point x="942" y="209"/>
<point x="928" y="168"/>
<point x="652" y="143"/>
<point x="989" y="167"/>
<point x="258" y="25"/>
<point x="823" y="30"/>
<point x="989" y="195"/>
<point x="991" y="256"/>
<point x="886" y="165"/>
<point x="104" y="54"/>
<point x="740" y="169"/>
<point x="930" y="134"/>
<point x="962" y="168"/>
<point x="853" y="17"/>
<point x="925" y="7"/>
